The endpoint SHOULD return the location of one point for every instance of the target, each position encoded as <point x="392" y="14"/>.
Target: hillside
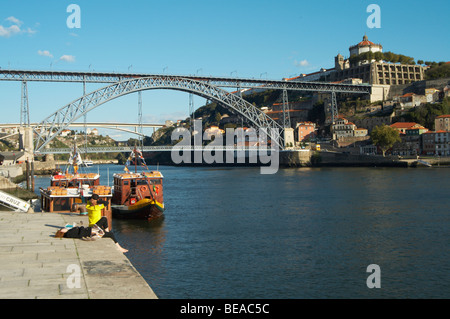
<point x="12" y="144"/>
<point x="82" y="141"/>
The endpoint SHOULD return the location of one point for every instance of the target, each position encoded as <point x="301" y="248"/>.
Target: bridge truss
<point x="125" y="83"/>
<point x="52" y="126"/>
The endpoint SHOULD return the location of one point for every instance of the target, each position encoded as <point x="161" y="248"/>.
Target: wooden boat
<point x="71" y="189"/>
<point x="138" y="195"/>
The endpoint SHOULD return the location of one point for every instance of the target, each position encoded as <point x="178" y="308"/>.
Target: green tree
<point x="438" y="71"/>
<point x="385" y="137"/>
<point x="378" y="56"/>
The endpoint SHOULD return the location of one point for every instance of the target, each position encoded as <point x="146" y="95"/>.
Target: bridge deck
<point x="111" y="77"/>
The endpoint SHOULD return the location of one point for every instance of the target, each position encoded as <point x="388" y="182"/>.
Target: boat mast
<point x="135" y="159"/>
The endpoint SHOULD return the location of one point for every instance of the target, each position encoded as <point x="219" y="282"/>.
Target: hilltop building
<point x="365" y="46"/>
<point x="373" y="72"/>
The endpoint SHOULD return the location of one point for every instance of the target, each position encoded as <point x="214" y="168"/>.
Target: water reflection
<point x="301" y="233"/>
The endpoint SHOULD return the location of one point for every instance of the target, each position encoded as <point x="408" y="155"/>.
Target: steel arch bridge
<point x="52" y="126"/>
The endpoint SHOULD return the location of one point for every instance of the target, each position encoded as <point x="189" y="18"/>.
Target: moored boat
<point x="72" y="189"/>
<point x="138" y="195"/>
<point x="88" y="163"/>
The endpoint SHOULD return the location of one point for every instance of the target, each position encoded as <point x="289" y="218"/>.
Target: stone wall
<point x="6" y="183"/>
<point x="297" y="158"/>
<point x="11" y="171"/>
<point x="347" y="159"/>
<point x="417" y="87"/>
<point x="40" y="167"/>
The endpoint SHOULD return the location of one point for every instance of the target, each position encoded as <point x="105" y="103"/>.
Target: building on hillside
<point x="442" y="123"/>
<point x="12" y="158"/>
<point x="371" y="122"/>
<point x="342" y="128"/>
<point x="446" y="91"/>
<point x="411" y="141"/>
<point x="65" y="133"/>
<point x="360" y="132"/>
<point x="410" y="100"/>
<point x="436" y="143"/>
<point x="305" y="131"/>
<point x="432" y="95"/>
<point x="368" y="149"/>
<point x="403" y="126"/>
<point x="211" y="131"/>
<point x="92" y="132"/>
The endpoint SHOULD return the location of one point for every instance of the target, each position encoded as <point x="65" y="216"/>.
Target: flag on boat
<point x="137" y="156"/>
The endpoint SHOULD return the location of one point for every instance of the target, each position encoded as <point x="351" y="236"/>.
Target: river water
<point x="300" y="233"/>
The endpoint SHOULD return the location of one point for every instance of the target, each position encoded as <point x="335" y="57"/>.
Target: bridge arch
<point x="52" y="126"/>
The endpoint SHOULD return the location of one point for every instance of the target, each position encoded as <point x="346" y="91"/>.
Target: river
<point x="300" y="233"/>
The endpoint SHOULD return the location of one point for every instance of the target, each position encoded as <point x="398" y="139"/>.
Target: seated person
<point x="94" y="208"/>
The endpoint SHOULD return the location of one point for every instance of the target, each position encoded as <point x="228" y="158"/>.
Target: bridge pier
<point x="289" y="137"/>
<point x="26" y="142"/>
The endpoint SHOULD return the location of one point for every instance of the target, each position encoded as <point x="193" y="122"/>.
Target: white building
<point x="343" y="128"/>
<point x="365" y="46"/>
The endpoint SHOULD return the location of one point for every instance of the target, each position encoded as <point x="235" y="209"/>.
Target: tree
<point x="378" y="56"/>
<point x="385" y="137"/>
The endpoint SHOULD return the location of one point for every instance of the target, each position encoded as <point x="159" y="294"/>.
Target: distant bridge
<point x="125" y="127"/>
<point x="127" y="149"/>
<point x="92" y="124"/>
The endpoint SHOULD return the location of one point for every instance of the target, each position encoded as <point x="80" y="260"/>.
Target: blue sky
<point x="269" y="39"/>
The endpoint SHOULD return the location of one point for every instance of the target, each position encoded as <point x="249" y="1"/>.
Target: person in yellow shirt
<point x="94" y="208"/>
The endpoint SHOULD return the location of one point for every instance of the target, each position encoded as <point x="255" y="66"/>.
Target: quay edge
<point x="35" y="265"/>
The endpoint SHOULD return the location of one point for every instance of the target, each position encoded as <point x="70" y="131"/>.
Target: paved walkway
<point x="34" y="264"/>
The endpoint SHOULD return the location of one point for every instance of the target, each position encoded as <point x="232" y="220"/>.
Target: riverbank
<point x="310" y="158"/>
<point x="35" y="265"/>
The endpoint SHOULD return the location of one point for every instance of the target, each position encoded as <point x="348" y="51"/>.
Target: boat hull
<point x="150" y="210"/>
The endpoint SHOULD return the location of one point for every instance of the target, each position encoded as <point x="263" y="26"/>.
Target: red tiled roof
<point x="364" y="43"/>
<point x="443" y="116"/>
<point x="403" y="124"/>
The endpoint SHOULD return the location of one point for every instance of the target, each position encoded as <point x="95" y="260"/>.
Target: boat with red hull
<point x="138" y="195"/>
